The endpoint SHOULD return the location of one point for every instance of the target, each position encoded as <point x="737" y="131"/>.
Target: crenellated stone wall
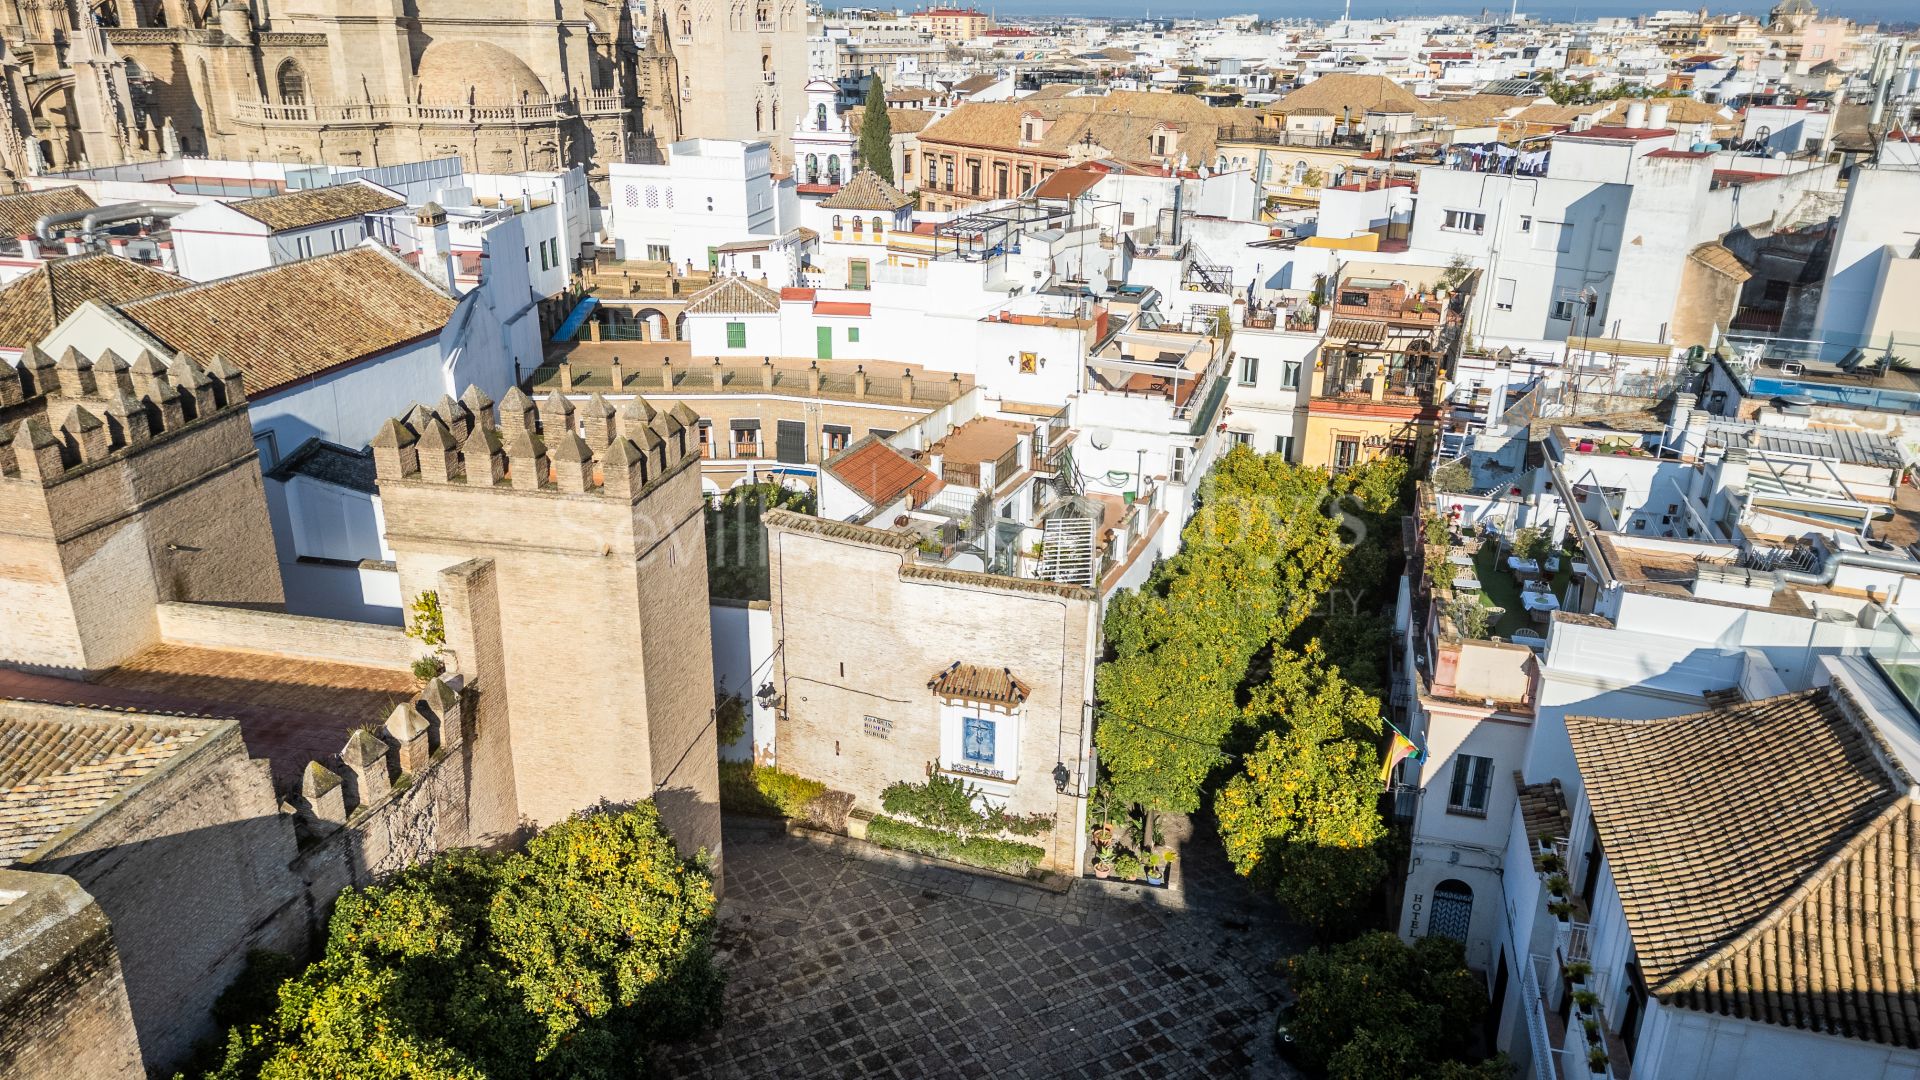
<point x="590" y="517"/>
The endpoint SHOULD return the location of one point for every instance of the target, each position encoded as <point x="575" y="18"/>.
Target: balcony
<point x="1264" y="136"/>
<point x="532" y="111"/>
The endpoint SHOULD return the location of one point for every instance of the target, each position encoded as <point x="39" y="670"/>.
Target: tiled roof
<point x="867" y="191"/>
<point x="1362" y="331"/>
<point x="56" y="772"/>
<point x="290" y="322"/>
<point x="1472" y="110"/>
<point x="1543" y="809"/>
<point x="1767" y="856"/>
<point x="32" y="305"/>
<point x="1122" y="122"/>
<point x="970" y="682"/>
<point x="1358" y="93"/>
<point x="1717" y="257"/>
<point x="734" y="296"/>
<point x="317" y="206"/>
<point x="19" y="212"/>
<point x="878" y="473"/>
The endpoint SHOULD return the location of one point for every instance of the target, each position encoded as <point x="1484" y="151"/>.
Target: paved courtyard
<point x="870" y="965"/>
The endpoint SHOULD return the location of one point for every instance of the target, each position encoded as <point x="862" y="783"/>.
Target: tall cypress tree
<point x="876" y="131"/>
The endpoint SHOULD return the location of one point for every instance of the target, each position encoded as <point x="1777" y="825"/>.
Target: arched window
<point x="813" y="168"/>
<point x="833" y="168"/>
<point x="759" y="114"/>
<point x="820" y="116"/>
<point x="836" y="223"/>
<point x="1452" y="910"/>
<point x="857" y="226"/>
<point x="762" y="13"/>
<point x="292" y="84"/>
<point x="879" y="230"/>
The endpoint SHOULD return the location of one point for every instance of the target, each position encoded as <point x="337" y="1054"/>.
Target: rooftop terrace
<point x="668" y="367"/>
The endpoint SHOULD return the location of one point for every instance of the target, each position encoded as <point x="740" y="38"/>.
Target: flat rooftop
<point x="290" y="711"/>
<point x="981" y="439"/>
<point x="590" y="363"/>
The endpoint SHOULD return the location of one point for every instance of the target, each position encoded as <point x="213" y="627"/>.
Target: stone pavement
<point x="863" y="963"/>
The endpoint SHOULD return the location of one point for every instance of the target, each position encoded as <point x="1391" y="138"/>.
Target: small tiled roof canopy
<point x="970" y="682"/>
<point x="1767" y="856"/>
<point x="734" y="296"/>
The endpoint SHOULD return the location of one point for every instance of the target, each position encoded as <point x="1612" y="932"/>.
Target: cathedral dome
<point x="451" y="70"/>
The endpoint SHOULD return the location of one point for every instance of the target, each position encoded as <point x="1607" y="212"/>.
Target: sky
<point x="1862" y="10"/>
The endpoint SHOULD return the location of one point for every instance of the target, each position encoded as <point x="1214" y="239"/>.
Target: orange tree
<point x="567" y="960"/>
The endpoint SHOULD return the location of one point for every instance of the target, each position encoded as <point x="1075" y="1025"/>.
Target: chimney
<point x="1658" y="113"/>
<point x="906" y="387"/>
<point x="117" y="245"/>
<point x="29" y="246"/>
<point x="860" y="381"/>
<point x="323" y="795"/>
<point x="436" y="246"/>
<point x="74" y="246"/>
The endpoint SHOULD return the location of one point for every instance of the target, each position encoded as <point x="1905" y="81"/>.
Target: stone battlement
<point x="62" y="416"/>
<point x="554" y="446"/>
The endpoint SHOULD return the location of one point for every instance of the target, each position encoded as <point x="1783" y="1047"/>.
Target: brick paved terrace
<point x="853" y="962"/>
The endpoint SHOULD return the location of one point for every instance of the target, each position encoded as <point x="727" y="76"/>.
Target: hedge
<point x="1006" y="856"/>
<point x="751" y="789"/>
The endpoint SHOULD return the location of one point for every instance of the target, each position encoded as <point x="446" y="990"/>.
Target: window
<point x="1249" y="371"/>
<point x="659" y="253"/>
<point x="1526" y="223"/>
<point x="1241" y="438"/>
<point x="834" y="437"/>
<point x="1026" y="178"/>
<point x="1177" y="466"/>
<point x="553" y="248"/>
<point x="1472" y="780"/>
<point x="853" y="333"/>
<point x="1561" y="309"/>
<point x="1472" y="221"/>
<point x="948" y="163"/>
<point x="303" y="246"/>
<point x="1283" y="445"/>
<point x="973" y="178"/>
<point x="790" y="442"/>
<point x="736" y="335"/>
<point x="1289" y="374"/>
<point x="746" y="438"/>
<point x="1000" y="181"/>
<point x="836" y="223"/>
<point x="976" y="740"/>
<point x="704" y="430"/>
<point x="293" y="84"/>
<point x="1503" y="293"/>
<point x="1346" y="453"/>
<point x="756" y="262"/>
<point x="1353" y="299"/>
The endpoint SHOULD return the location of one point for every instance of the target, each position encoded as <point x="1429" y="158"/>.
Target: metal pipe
<point x="91" y="218"/>
<point x="1832" y="561"/>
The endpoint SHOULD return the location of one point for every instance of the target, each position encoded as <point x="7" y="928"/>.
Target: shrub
<point x="1469" y="617"/>
<point x="428" y="625"/>
<point x="752" y="789"/>
<point x="1127" y="866"/>
<point x="1579" y="969"/>
<point x="943" y="802"/>
<point x="730" y="718"/>
<point x="1586" y="999"/>
<point x="1006" y="856"/>
<point x="1557" y="885"/>
<point x="428" y="667"/>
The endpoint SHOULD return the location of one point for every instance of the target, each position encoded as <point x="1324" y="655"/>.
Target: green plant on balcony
<point x="1597" y="1059"/>
<point x="1549" y="862"/>
<point x="1560" y="909"/>
<point x="1469" y="617"/>
<point x="1578" y="970"/>
<point x="1127" y="867"/>
<point x="1587" y="1000"/>
<point x="1592" y="1027"/>
<point x="1557" y="885"/>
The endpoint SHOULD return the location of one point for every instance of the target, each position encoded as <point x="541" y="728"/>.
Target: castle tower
<point x="598" y="551"/>
<point x="122" y="487"/>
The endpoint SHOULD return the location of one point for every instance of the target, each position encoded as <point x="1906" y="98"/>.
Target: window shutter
<point x="1461" y="767"/>
<point x="736" y="335"/>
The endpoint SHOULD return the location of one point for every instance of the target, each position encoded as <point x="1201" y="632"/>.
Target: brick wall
<point x="63" y="1004"/>
<point x="192" y="871"/>
<point x="863" y="632"/>
<point x="335" y="640"/>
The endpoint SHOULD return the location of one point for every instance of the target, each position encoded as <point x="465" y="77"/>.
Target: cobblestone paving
<point x="859" y="963"/>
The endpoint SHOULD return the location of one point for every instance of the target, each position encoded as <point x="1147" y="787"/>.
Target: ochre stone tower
<point x="123" y="485"/>
<point x="592" y="520"/>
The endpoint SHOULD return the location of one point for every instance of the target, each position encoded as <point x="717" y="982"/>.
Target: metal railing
<point x="1539" y="1038"/>
<point x="1236" y="133"/>
<point x="530" y="110"/>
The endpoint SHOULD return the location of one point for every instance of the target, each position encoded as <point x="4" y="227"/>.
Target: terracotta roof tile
<point x="56" y="772"/>
<point x="1122" y="122"/>
<point x="19" y="212"/>
<point x="317" y="206"/>
<point x="1543" y="809"/>
<point x="734" y="296"/>
<point x="970" y="682"/>
<point x="1357" y="93"/>
<point x="32" y="305"/>
<point x="287" y="323"/>
<point x="1768" y="860"/>
<point x="867" y="191"/>
<point x="877" y="472"/>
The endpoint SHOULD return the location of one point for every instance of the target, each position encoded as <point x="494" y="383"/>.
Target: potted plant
<point x="1588" y="1001"/>
<point x="1578" y="971"/>
<point x="1593" y="1030"/>
<point x="1158" y="866"/>
<point x="1548" y="862"/>
<point x="1597" y="1060"/>
<point x="1560" y="909"/>
<point x="1557" y="885"/>
<point x="1103" y="864"/>
<point x="1103" y="837"/>
<point x="1127" y="866"/>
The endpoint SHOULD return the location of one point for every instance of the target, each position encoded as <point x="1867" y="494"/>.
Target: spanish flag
<point x="1402" y="748"/>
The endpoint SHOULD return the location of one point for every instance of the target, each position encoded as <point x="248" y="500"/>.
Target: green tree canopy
<point x="567" y="960"/>
<point x="876" y="131"/>
<point x="1301" y="817"/>
<point x="1376" y="1008"/>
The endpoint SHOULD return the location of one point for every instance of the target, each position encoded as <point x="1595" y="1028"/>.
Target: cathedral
<point x="507" y="85"/>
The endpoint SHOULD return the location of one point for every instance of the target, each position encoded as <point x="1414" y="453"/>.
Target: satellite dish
<point x="1101" y="438"/>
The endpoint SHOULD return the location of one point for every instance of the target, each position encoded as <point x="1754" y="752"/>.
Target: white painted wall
<point x="742" y="660"/>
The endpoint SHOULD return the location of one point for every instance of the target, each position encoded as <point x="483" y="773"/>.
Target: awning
<point x="836" y="429"/>
<point x="969" y="682"/>
<point x="744" y="425"/>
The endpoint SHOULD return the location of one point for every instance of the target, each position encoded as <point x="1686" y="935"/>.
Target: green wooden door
<point x="823" y="336"/>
